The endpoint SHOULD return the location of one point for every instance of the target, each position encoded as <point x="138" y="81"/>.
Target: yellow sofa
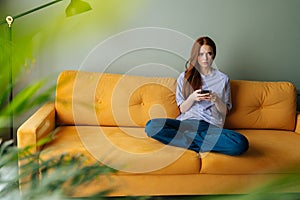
<point x="103" y="116"/>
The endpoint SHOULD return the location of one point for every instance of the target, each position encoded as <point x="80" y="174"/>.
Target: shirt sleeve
<point x="228" y="94"/>
<point x="179" y="96"/>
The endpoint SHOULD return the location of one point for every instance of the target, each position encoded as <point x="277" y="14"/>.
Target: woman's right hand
<point x="197" y="96"/>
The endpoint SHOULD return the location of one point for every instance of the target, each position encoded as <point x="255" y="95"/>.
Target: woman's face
<point x="206" y="56"/>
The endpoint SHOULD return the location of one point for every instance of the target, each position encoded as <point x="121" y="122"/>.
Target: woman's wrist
<point x="186" y="104"/>
<point x="221" y="107"/>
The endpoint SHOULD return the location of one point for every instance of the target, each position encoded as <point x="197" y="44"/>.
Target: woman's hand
<point x="221" y="107"/>
<point x="197" y="96"/>
<point x="214" y="98"/>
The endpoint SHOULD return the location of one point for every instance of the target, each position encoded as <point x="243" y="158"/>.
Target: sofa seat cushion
<point x="127" y="149"/>
<point x="270" y="151"/>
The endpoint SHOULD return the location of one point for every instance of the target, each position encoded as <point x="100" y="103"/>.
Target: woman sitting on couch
<point x="203" y="97"/>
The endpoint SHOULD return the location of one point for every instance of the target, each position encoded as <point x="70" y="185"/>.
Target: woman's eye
<point x="207" y="54"/>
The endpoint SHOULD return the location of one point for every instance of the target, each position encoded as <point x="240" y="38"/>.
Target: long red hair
<point x="192" y="77"/>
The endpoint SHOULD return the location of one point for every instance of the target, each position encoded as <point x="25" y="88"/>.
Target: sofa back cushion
<point x="262" y="105"/>
<point x="89" y="98"/>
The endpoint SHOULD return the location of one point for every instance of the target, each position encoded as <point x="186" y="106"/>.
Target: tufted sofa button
<point x="99" y="101"/>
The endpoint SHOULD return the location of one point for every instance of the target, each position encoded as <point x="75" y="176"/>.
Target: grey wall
<point x="256" y="39"/>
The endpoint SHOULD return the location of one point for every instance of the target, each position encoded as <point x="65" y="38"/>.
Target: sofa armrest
<point x="39" y="125"/>
<point x="297" y="129"/>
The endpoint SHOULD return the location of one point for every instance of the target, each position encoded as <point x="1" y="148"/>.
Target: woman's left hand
<point x="214" y="97"/>
<point x="221" y="107"/>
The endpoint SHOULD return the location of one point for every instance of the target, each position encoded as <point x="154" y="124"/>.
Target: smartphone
<point x="205" y="91"/>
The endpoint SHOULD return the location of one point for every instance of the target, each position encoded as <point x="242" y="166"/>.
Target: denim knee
<point x="148" y="128"/>
<point x="153" y="127"/>
<point x="240" y="147"/>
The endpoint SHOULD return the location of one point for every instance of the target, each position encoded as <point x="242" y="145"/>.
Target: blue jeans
<point x="196" y="135"/>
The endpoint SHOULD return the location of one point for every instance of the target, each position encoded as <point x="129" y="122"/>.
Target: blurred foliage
<point x="40" y="30"/>
<point x="55" y="178"/>
<point x="62" y="174"/>
<point x="276" y="189"/>
<point x="20" y="60"/>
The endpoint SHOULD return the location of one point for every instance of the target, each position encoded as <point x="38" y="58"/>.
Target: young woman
<point x="203" y="97"/>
